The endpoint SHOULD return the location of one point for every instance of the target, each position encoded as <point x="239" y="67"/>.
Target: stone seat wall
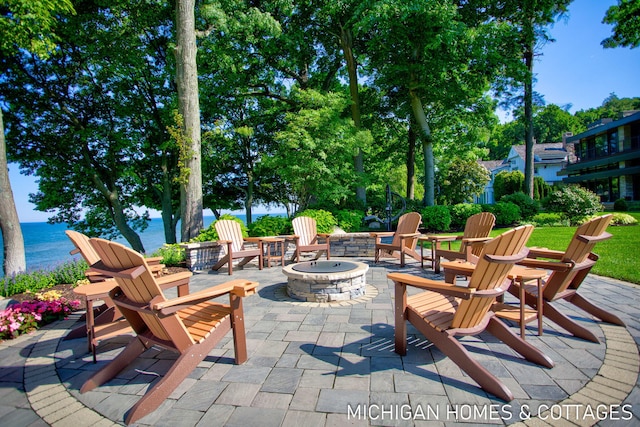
<point x="203" y="256"/>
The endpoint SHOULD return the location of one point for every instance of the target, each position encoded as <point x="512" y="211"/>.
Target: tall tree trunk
<point x="346" y="41"/>
<point x="528" y="106"/>
<point x="189" y="107"/>
<point x="427" y="149"/>
<point x="168" y="218"/>
<point x="411" y="162"/>
<point x="13" y="242"/>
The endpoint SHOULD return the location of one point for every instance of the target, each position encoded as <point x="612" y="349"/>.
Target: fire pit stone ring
<point x="326" y="281"/>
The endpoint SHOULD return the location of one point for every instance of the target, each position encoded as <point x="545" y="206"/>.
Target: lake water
<point x="46" y="245"/>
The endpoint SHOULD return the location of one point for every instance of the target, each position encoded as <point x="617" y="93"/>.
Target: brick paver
<point x="334" y="364"/>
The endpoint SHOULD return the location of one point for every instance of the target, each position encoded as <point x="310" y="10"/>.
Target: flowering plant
<point x="26" y="316"/>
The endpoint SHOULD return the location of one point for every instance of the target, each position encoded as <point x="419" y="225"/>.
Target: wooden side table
<point x="274" y="249"/>
<point x="522" y="314"/>
<point x="111" y="323"/>
<point x="434" y="241"/>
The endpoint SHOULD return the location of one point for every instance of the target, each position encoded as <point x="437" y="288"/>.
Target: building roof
<point x="604" y="127"/>
<point x="491" y="165"/>
<point x="550" y="152"/>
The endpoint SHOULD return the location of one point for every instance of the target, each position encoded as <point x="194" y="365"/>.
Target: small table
<point x="523" y="315"/>
<point x="111" y="322"/>
<point x="433" y="240"/>
<point x="274" y="249"/>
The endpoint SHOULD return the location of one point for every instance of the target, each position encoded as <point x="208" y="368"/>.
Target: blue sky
<point x="574" y="70"/>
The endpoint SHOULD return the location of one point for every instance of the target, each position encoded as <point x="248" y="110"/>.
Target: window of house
<point x="602" y="148"/>
<point x="612" y="140"/>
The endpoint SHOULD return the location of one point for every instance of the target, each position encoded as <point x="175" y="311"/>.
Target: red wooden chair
<point x="445" y="311"/>
<point x="404" y="239"/>
<point x="190" y="325"/>
<point x="306" y="238"/>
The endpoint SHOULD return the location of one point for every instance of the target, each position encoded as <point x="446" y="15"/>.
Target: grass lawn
<point x="619" y="256"/>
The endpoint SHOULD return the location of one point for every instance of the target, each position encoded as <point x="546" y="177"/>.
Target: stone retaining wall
<point x="203" y="256"/>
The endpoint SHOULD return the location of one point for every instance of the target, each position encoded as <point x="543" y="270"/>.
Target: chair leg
<point x="528" y="351"/>
<point x="135" y="348"/>
<point x="595" y="311"/>
<point x="225" y="259"/>
<point x="450" y="346"/>
<point x="565" y="322"/>
<point x="239" y="334"/>
<point x="180" y="369"/>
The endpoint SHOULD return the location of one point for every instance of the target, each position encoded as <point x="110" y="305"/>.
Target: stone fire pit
<point x="326" y="281"/>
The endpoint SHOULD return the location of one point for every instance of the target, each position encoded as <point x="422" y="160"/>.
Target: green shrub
<point x="528" y="206"/>
<point x="620" y="205"/>
<point x="575" y="202"/>
<point x="507" y="182"/>
<point x="349" y="221"/>
<point x="436" y="218"/>
<point x="507" y="214"/>
<point x="623" y="219"/>
<point x="211" y="235"/>
<point x="461" y="212"/>
<point x="69" y="272"/>
<point x="270" y="226"/>
<point x="549" y="219"/>
<point x="325" y="221"/>
<point x="172" y="255"/>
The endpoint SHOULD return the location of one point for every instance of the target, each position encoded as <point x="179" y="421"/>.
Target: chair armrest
<point x="253" y="239"/>
<point x="545" y="253"/>
<point x="409" y="235"/>
<point x="163" y="281"/>
<point x="594" y="239"/>
<point x="74" y="251"/>
<point x="324" y="235"/>
<point x="381" y="233"/>
<point x="476" y="239"/>
<point x="444" y="238"/>
<point x="546" y="264"/>
<point x="130" y="273"/>
<point x="432" y="285"/>
<point x="238" y="287"/>
<point x="153" y="260"/>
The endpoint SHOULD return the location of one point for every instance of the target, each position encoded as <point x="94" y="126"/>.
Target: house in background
<point x="607" y="158"/>
<point x="549" y="160"/>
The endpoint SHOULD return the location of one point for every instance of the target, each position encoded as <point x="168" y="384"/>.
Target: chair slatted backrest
<point x="81" y="242"/>
<point x="479" y="225"/>
<point x="577" y="253"/>
<point x="307" y="229"/>
<point x="407" y="224"/>
<point x="230" y="230"/>
<point x="579" y="250"/>
<point x="141" y="290"/>
<point x="489" y="275"/>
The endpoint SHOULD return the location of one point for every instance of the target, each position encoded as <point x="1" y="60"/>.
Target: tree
<point x="189" y="109"/>
<point x="529" y="21"/>
<point x="92" y="126"/>
<point x="430" y="54"/>
<point x="625" y="18"/>
<point x="462" y="179"/>
<point x="24" y="24"/>
<point x="316" y="145"/>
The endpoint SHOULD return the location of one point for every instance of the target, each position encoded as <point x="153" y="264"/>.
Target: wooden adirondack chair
<point x="190" y="325"/>
<point x="108" y="321"/>
<point x="476" y="230"/>
<point x="446" y="311"/>
<point x="567" y="271"/>
<point x="306" y="238"/>
<point x="404" y="239"/>
<point x="230" y="233"/>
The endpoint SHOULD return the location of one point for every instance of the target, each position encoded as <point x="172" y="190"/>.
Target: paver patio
<point x="317" y="364"/>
